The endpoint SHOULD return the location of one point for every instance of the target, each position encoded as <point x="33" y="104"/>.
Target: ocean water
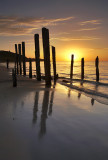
<point x="63" y="69"/>
<point x="90" y="87"/>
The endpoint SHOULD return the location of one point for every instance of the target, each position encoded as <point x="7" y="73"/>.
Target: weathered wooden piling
<point x="7" y="62"/>
<point x="19" y="48"/>
<point x="30" y="68"/>
<point x="54" y="62"/>
<point x="14" y="78"/>
<point x="16" y="58"/>
<point x="37" y="57"/>
<point x="24" y="63"/>
<point x="82" y="69"/>
<point x="46" y="49"/>
<point x="71" y="69"/>
<point x="97" y="69"/>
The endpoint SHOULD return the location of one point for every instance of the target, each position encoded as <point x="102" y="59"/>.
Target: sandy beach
<point x="50" y="123"/>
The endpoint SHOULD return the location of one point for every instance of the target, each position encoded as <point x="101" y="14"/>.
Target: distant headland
<point x="4" y="55"/>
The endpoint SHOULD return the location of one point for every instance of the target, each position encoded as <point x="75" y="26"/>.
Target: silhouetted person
<point x="92" y="101"/>
<point x="69" y="91"/>
<point x="81" y="84"/>
<point x="35" y="109"/>
<point x="79" y="95"/>
<point x="44" y="114"/>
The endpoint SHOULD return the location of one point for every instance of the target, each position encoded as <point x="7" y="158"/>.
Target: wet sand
<point x="57" y="123"/>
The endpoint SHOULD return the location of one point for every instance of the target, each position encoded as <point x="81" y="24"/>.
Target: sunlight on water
<point x="63" y="69"/>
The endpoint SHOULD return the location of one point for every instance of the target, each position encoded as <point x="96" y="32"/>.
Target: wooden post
<point x="82" y="69"/>
<point x="97" y="69"/>
<point x="37" y="57"/>
<point x="54" y="62"/>
<point x="19" y="48"/>
<point x="46" y="49"/>
<point x="24" y="63"/>
<point x="7" y="63"/>
<point x="30" y="68"/>
<point x="15" y="55"/>
<point x="71" y="70"/>
<point x="14" y="78"/>
<point x="16" y="59"/>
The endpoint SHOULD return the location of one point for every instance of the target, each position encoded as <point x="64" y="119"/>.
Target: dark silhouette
<point x="16" y="58"/>
<point x="71" y="69"/>
<point x="82" y="69"/>
<point x="92" y="101"/>
<point x="37" y="57"/>
<point x="51" y="103"/>
<point x="35" y="109"/>
<point x="14" y="78"/>
<point x="19" y="48"/>
<point x="44" y="114"/>
<point x="54" y="63"/>
<point x="30" y="68"/>
<point x="81" y="83"/>
<point x="24" y="62"/>
<point x="79" y="95"/>
<point x="7" y="63"/>
<point x="97" y="69"/>
<point x="46" y="49"/>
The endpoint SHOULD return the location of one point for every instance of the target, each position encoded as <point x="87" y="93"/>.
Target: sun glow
<point x="76" y="53"/>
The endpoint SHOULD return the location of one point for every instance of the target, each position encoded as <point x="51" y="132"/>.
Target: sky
<point x="76" y="27"/>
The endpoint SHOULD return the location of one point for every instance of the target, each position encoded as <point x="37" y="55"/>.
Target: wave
<point x="99" y="96"/>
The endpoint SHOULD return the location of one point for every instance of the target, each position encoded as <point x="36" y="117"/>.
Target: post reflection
<point x="35" y="109"/>
<point x="96" y="87"/>
<point x="44" y="114"/>
<point x="69" y="90"/>
<point x="51" y="103"/>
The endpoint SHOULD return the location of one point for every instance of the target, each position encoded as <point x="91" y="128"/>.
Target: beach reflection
<point x="35" y="109"/>
<point x="44" y="114"/>
<point x="51" y="103"/>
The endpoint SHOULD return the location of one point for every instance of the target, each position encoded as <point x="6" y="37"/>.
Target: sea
<point x="89" y="87"/>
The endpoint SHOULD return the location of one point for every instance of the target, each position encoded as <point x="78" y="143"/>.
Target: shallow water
<point x="63" y="69"/>
<point x="52" y="124"/>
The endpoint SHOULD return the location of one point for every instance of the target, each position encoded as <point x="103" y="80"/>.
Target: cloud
<point x="93" y="22"/>
<point x="76" y="39"/>
<point x="26" y="25"/>
<point x="88" y="29"/>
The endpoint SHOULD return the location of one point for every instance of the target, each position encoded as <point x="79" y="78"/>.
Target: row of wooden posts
<point x="82" y="68"/>
<point x="46" y="50"/>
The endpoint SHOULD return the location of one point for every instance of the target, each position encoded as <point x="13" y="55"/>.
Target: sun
<point x="76" y="53"/>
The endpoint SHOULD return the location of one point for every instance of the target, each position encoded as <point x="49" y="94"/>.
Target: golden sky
<point x="76" y="27"/>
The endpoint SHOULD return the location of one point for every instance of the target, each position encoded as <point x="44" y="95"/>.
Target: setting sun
<point x="76" y="53"/>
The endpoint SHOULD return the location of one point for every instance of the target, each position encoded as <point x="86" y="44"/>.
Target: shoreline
<point x="32" y="84"/>
<point x="36" y="121"/>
